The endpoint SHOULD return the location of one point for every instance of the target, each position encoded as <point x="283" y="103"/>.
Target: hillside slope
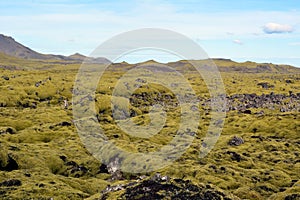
<point x="227" y="65"/>
<point x="10" y="47"/>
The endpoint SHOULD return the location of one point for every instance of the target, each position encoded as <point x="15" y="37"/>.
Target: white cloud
<point x="271" y="28"/>
<point x="239" y="42"/>
<point x="89" y="25"/>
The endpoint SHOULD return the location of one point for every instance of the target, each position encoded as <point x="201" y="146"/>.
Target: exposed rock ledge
<point x="163" y="187"/>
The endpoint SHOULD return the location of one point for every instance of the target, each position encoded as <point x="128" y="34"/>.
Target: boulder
<point x="11" y="183"/>
<point x="236" y="141"/>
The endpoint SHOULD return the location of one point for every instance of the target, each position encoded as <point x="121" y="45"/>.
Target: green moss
<point x="56" y="165"/>
<point x="3" y="156"/>
<point x="268" y="156"/>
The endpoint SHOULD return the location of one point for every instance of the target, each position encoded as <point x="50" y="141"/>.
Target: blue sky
<point x="263" y="31"/>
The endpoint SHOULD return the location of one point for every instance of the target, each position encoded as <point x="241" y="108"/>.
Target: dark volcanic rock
<point x="247" y="111"/>
<point x="162" y="187"/>
<point x="245" y="102"/>
<point x="236" y="141"/>
<point x="10" y="165"/>
<point x="5" y="78"/>
<point x="103" y="169"/>
<point x="235" y="156"/>
<point x="292" y="197"/>
<point x="65" y="124"/>
<point x="11" y="182"/>
<point x="74" y="167"/>
<point x="265" y="85"/>
<point x="8" y="130"/>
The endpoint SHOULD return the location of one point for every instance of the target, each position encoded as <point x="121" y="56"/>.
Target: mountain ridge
<point x="11" y="47"/>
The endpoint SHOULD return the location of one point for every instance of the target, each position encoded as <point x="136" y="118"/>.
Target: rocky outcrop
<point x="163" y="187"/>
<point x="244" y="102"/>
<point x="238" y="102"/>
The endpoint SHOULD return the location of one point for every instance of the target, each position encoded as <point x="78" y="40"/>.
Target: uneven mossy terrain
<point x="40" y="146"/>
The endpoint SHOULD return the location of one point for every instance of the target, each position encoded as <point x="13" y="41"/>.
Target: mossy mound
<point x="43" y="157"/>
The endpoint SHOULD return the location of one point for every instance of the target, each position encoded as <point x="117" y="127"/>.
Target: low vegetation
<point x="42" y="156"/>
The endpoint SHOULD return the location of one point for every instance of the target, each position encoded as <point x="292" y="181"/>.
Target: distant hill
<point x="224" y="65"/>
<point x="10" y="47"/>
<point x="227" y="65"/>
<point x="80" y="57"/>
<point x="13" y="49"/>
<point x="77" y="56"/>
